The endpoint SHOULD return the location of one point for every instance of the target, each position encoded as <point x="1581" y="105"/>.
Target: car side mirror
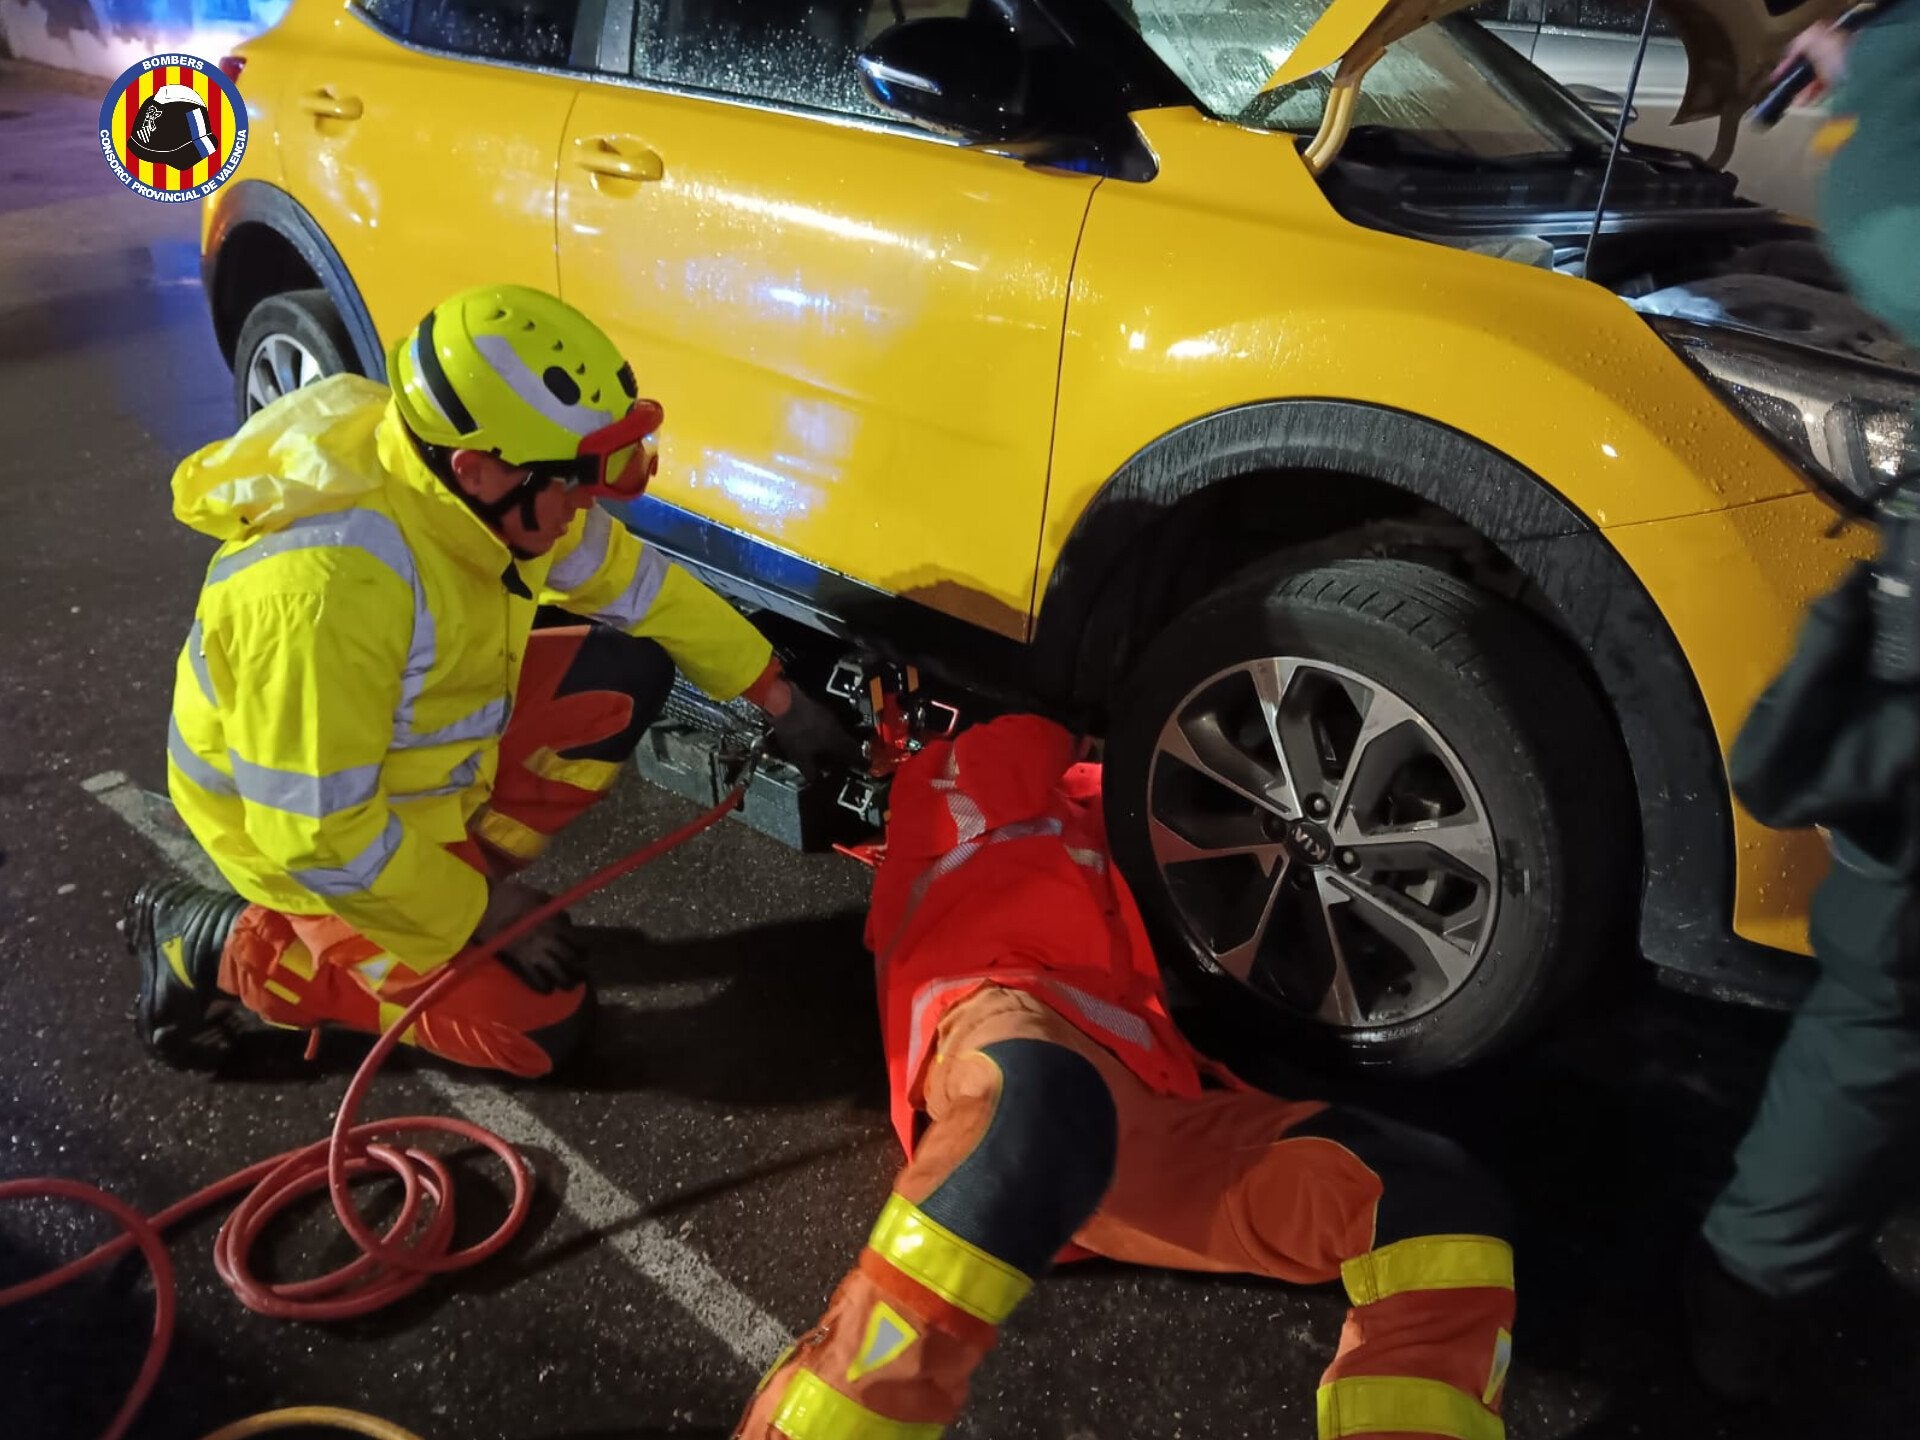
<point x="962" y="77"/>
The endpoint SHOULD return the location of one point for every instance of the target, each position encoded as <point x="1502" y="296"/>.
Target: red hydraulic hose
<point x="390" y="1265"/>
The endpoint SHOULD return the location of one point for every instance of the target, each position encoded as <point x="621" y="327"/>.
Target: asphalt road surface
<point x="713" y="1166"/>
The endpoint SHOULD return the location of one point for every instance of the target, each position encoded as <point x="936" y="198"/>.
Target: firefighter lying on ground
<point x="1048" y="1104"/>
<point x="421" y="650"/>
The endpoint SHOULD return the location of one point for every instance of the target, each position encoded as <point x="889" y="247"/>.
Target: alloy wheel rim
<point x="1322" y="842"/>
<point x="280" y="365"/>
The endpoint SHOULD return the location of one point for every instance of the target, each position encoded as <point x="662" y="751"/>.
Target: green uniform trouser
<point x="1837" y="1141"/>
<point x="1836" y="1144"/>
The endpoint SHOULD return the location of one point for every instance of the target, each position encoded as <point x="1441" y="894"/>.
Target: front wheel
<point x="1377" y="800"/>
<point x="288" y="341"/>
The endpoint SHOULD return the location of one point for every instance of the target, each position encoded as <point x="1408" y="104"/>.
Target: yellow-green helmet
<point x="508" y="369"/>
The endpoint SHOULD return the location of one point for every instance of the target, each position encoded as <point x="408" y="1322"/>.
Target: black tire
<point x="302" y="319"/>
<point x="1508" y="707"/>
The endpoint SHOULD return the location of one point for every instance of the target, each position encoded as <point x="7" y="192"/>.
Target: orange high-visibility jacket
<point x="997" y="872"/>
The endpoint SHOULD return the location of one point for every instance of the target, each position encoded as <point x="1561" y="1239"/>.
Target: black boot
<point x="176" y="930"/>
<point x="1738" y="1335"/>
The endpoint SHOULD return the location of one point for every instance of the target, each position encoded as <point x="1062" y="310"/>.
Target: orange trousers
<point x="1235" y="1181"/>
<point x="585" y="695"/>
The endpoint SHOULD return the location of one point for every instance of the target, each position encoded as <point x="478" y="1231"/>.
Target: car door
<point x="422" y="136"/>
<point x="854" y="326"/>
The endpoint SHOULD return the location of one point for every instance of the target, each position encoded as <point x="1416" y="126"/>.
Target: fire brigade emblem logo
<point x="173" y="128"/>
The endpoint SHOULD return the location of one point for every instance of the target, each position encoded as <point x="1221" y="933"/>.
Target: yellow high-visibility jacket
<point x="338" y="705"/>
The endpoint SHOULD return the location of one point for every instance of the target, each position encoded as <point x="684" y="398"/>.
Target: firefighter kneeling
<point x="422" y="649"/>
<point x="1050" y="1109"/>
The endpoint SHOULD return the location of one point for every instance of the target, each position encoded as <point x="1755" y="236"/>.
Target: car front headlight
<point x="1850" y="425"/>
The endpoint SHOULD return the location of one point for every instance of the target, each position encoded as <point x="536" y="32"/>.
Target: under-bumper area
<point x="1763" y="563"/>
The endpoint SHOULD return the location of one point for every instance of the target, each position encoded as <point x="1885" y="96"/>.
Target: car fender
<point x="1232" y="280"/>
<point x="1587" y="591"/>
<point x="257" y="202"/>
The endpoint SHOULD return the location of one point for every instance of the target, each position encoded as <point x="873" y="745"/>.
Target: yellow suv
<point x="1247" y="379"/>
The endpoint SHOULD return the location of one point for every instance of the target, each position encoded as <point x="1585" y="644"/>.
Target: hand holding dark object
<point x="1813" y="64"/>
<point x="548" y="958"/>
<point x="808" y="733"/>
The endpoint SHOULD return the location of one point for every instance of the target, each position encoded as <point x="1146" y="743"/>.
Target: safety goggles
<point x="616" y="461"/>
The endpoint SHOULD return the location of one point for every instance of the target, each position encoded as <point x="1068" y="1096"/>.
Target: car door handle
<point x="618" y="156"/>
<point x="325" y="105"/>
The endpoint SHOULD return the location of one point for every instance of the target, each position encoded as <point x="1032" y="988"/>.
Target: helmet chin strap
<point x="524" y="495"/>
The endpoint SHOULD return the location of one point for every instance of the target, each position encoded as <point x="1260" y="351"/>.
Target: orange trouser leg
<point x="1242" y="1181"/>
<point x="1018" y="1147"/>
<point x="308" y="970"/>
<point x="890" y="1360"/>
<point x="1230" y="1182"/>
<point x="586" y="693"/>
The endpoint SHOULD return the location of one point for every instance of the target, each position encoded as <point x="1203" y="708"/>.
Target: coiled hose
<point x="390" y="1265"/>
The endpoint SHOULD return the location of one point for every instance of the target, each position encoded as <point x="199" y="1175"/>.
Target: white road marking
<point x="649" y="1247"/>
<point x="644" y="1243"/>
<point x="129" y="802"/>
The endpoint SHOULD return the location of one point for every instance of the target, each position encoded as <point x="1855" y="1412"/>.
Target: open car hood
<point x="1732" y="45"/>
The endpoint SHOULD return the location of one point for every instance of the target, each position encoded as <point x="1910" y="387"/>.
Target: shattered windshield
<point x="1449" y="90"/>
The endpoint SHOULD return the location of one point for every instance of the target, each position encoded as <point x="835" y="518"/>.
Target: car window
<point x="790" y="52"/>
<point x="389" y="15"/>
<point x="525" y="32"/>
<point x="1614" y="17"/>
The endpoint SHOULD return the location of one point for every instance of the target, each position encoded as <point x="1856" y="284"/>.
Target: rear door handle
<point x="620" y="157"/>
<point x="325" y="105"/>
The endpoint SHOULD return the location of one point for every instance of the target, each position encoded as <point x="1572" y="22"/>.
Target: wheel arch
<point x="262" y="242"/>
<point x="1369" y="467"/>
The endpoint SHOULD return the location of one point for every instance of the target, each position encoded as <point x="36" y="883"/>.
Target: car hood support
<point x="1732" y="47"/>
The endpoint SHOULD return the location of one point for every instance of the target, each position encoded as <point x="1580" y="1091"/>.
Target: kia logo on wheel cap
<point x="1310" y="842"/>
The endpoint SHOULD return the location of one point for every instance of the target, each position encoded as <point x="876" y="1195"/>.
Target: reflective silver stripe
<point x="298" y="793"/>
<point x="197" y="658"/>
<point x="949" y="775"/>
<point x="1104" y="1015"/>
<point x="485" y="723"/>
<point x="967" y="849"/>
<point x="463" y="775"/>
<point x="1087" y="859"/>
<point x="632" y="604"/>
<point x="583" y="562"/>
<point x="366" y="530"/>
<point x="193" y="767"/>
<point x="960" y="854"/>
<point x="424" y="391"/>
<point x="505" y="362"/>
<point x="359" y="873"/>
<point x="376" y="535"/>
<point x="968" y="821"/>
<point x="1023" y="829"/>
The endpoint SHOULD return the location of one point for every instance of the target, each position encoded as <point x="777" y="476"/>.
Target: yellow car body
<point x="916" y="370"/>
